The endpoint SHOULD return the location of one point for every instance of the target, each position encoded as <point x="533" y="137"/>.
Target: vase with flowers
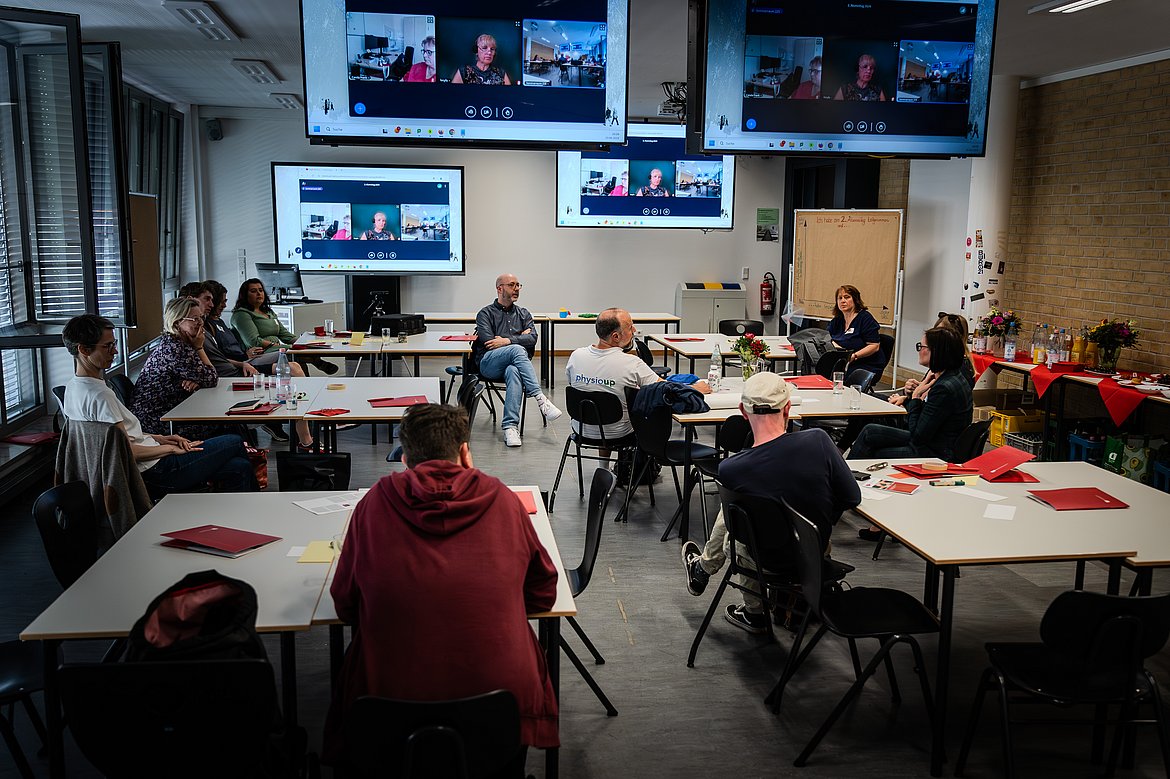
<point x="1002" y="327"/>
<point x="751" y="351"/>
<point x="1111" y="336"/>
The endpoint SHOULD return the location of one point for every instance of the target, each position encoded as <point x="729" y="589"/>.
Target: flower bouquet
<point x="1111" y="336"/>
<point x="751" y="351"/>
<point x="1001" y="325"/>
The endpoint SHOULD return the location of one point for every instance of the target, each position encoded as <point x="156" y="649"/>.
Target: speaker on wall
<point x="214" y="129"/>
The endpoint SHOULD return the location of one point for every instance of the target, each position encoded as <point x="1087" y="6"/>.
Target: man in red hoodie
<point x="439" y="570"/>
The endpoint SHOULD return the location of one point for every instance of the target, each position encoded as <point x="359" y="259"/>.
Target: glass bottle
<point x="1009" y="345"/>
<point x="283" y="374"/>
<point x="715" y="373"/>
<point x="1078" y="345"/>
<point x="1065" y="345"/>
<point x="979" y="346"/>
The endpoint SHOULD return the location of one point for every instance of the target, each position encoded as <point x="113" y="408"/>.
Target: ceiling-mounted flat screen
<point x="650" y="182"/>
<point x="513" y="73"/>
<point x="369" y="218"/>
<point x="900" y="77"/>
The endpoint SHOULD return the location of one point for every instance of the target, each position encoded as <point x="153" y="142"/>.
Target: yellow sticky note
<point x="356" y="339"/>
<point x="318" y="552"/>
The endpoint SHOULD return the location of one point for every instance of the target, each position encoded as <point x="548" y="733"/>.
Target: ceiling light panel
<point x="287" y="100"/>
<point x="201" y="18"/>
<point x="256" y="71"/>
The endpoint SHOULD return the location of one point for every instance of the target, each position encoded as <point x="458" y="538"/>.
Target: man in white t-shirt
<point x="610" y="366"/>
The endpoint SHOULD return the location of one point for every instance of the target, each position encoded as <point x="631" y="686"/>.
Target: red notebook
<point x="528" y="501"/>
<point x="678" y="340"/>
<point x="1077" y="499"/>
<point x="997" y="464"/>
<point x="328" y="412"/>
<point x="312" y="345"/>
<point x="809" y="382"/>
<point x="457" y="338"/>
<point x="407" y="400"/>
<point x="266" y="408"/>
<point x="917" y="471"/>
<point x="216" y="540"/>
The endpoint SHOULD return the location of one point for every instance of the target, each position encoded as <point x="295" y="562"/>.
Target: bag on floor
<point x="259" y="459"/>
<point x="1131" y="456"/>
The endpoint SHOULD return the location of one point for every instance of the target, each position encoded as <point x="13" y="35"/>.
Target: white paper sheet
<point x="295" y="551"/>
<point x="995" y="511"/>
<point x="333" y="503"/>
<point x="974" y="493"/>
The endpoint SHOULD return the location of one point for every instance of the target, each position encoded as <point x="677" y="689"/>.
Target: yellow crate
<point x="1014" y="421"/>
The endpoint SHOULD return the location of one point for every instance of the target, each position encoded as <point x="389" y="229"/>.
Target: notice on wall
<point x="767" y="224"/>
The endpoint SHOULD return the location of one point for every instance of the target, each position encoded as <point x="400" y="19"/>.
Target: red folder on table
<point x="328" y="412"/>
<point x="998" y="464"/>
<point x="458" y="338"/>
<point x="312" y="345"/>
<point x="918" y="471"/>
<point x="217" y="540"/>
<point x="261" y="410"/>
<point x="241" y="386"/>
<point x="679" y="340"/>
<point x="528" y="501"/>
<point x="1077" y="499"/>
<point x="407" y="400"/>
<point x="809" y="382"/>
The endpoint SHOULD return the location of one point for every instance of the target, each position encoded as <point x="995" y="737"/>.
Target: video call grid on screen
<point x="336" y="218"/>
<point x="799" y="75"/>
<point x="458" y="71"/>
<point x="651" y="182"/>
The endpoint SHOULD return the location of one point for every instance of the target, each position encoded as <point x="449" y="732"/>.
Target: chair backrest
<point x="599" y="492"/>
<point x="741" y="326"/>
<point x="298" y="471"/>
<point x="593" y="407"/>
<point x="59" y="393"/>
<point x="469" y="395"/>
<point x="470" y="737"/>
<point x="123" y="387"/>
<point x="733" y="434"/>
<point x="69" y="530"/>
<point x="971" y="441"/>
<point x="1100" y="631"/>
<point x="653" y="431"/>
<point x="176" y="719"/>
<point x="644" y="351"/>
<point x="761" y="524"/>
<point x="99" y="454"/>
<point x="809" y="557"/>
<point x="830" y="362"/>
<point x="886" y="344"/>
<point x="862" y="378"/>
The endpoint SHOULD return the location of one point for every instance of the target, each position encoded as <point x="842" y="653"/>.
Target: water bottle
<point x="1066" y="340"/>
<point x="715" y="373"/>
<point x="283" y="374"/>
<point x="1053" y="353"/>
<point x="1009" y="346"/>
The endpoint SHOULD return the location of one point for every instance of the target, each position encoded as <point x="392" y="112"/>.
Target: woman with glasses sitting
<point x="425" y="70"/>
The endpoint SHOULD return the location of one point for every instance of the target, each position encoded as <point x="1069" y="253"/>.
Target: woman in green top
<point x="257" y="325"/>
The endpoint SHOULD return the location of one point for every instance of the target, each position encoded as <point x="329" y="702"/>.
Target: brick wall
<point x="1089" y="232"/>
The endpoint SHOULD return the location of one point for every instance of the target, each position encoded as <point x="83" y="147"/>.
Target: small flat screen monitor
<point x="650" y="182"/>
<point x="343" y="218"/>
<point x="900" y="77"/>
<point x="512" y="73"/>
<point x="281" y="280"/>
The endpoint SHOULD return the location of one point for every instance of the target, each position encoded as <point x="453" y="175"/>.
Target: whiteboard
<point x="832" y="247"/>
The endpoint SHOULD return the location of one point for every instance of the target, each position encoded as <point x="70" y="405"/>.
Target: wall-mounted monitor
<point x="650" y="182"/>
<point x="366" y="219"/>
<point x="514" y="73"/>
<point x="901" y="77"/>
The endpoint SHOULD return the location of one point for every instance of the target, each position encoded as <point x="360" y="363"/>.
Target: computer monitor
<point x="281" y="280"/>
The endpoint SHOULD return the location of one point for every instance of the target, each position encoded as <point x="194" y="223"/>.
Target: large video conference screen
<point x="511" y="72"/>
<point x="907" y="77"/>
<point x="650" y="182"/>
<point x="369" y="218"/>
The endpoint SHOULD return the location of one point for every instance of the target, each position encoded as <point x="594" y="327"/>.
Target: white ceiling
<point x="171" y="62"/>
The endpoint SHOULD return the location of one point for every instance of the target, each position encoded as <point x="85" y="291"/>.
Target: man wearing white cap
<point x="803" y="468"/>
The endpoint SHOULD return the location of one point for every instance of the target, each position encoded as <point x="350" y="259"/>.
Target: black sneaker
<point x="738" y="615"/>
<point x="697" y="578"/>
<point x="276" y="432"/>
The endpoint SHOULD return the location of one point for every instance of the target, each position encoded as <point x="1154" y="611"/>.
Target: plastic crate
<point x="1013" y="421"/>
<point x="1083" y="450"/>
<point x="1160" y="473"/>
<point x="1025" y="442"/>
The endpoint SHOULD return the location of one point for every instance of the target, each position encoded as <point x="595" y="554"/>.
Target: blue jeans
<point x="511" y="364"/>
<point x="882" y="441"/>
<point x="223" y="460"/>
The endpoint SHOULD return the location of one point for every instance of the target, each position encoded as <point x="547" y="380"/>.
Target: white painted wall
<point x="510" y="200"/>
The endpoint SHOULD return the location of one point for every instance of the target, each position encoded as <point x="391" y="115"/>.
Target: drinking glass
<point x="329" y="327"/>
<point x="854" y="395"/>
<point x="401" y="336"/>
<point x="293" y="401"/>
<point x="258" y="385"/>
<point x="385" y="335"/>
<point x="838" y="382"/>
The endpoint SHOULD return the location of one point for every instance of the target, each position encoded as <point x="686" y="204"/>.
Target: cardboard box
<point x="1003" y="398"/>
<point x="980" y="413"/>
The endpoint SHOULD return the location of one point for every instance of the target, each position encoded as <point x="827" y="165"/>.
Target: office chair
<point x="596" y="409"/>
<point x="300" y="471"/>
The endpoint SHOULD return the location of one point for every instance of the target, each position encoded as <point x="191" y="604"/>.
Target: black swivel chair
<point x="599" y="493"/>
<point x="741" y="326"/>
<point x="123" y="387"/>
<point x="300" y="471"/>
<point x="890" y="616"/>
<point x="467" y="738"/>
<point x="596" y="409"/>
<point x="1091" y="652"/>
<point x="647" y="357"/>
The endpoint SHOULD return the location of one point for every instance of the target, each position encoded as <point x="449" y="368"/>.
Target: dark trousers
<point x="222" y="460"/>
<point x="881" y="441"/>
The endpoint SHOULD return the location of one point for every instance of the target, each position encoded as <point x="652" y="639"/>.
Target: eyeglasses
<point x="428" y="51"/>
<point x="918" y="347"/>
<point x="109" y="347"/>
<point x="515" y="284"/>
<point x="877" y="467"/>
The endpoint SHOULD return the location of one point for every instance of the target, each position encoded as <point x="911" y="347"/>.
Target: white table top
<point x="709" y="341"/>
<point x="563" y="607"/>
<point x="426" y="343"/>
<point x="211" y="404"/>
<point x="359" y="390"/>
<point x="651" y="318"/>
<point x="813" y="403"/>
<point x="949" y="529"/>
<point x="109" y="597"/>
<point x="339" y="347"/>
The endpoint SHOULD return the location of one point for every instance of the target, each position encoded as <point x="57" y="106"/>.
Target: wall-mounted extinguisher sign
<point x="768" y="295"/>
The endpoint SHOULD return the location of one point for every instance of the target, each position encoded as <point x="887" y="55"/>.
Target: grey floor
<point x="673" y="720"/>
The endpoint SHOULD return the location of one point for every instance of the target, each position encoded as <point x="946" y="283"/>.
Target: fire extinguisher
<point x="768" y="295"/>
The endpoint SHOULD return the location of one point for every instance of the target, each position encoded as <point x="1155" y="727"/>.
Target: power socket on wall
<point x="744" y="273"/>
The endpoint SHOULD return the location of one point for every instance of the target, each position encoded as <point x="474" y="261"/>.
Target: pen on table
<point x="947" y="483"/>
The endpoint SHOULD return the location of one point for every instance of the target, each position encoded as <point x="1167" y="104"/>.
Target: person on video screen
<point x="342" y="233"/>
<point x="863" y="88"/>
<point x="425" y="70"/>
<point x="482" y="71"/>
<point x="379" y="233"/>
<point x="654" y="188"/>
<point x="811" y="89"/>
<point x="623" y="187"/>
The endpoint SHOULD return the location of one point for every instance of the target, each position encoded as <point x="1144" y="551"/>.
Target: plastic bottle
<point x="979" y="346"/>
<point x="1066" y="340"/>
<point x="1033" y="343"/>
<point x="1077" y="354"/>
<point x="1040" y="346"/>
<point x="283" y="374"/>
<point x="1053" y="349"/>
<point x="1009" y="346"/>
<point x="715" y="373"/>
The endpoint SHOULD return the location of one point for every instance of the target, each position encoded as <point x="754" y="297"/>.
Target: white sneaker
<point x="512" y="437"/>
<point x="547" y="409"/>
